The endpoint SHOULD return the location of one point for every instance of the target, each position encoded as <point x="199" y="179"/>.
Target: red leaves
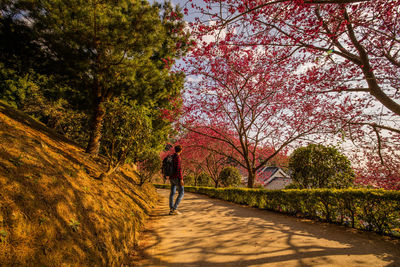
<point x="241" y="8"/>
<point x="250" y="95"/>
<point x="168" y="62"/>
<point x="283" y="49"/>
<point x="172" y="112"/>
<point x="379" y="175"/>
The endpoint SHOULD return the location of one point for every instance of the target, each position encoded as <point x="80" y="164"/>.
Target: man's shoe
<point x="174" y="212"/>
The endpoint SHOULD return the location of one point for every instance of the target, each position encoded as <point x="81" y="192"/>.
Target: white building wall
<point x="278" y="183"/>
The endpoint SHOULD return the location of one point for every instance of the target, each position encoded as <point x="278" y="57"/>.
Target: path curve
<point x="212" y="232"/>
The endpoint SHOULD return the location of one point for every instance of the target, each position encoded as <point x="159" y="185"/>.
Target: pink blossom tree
<point x="245" y="100"/>
<point x="347" y="52"/>
<point x="204" y="154"/>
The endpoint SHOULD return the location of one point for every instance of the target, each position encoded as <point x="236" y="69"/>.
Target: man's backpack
<point x="168" y="166"/>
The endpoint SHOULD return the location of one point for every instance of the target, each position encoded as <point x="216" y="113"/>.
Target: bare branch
<point x="374" y="125"/>
<point x="334" y="1"/>
<point x="370" y="78"/>
<point x="310" y="2"/>
<point x="392" y="59"/>
<point x="344" y="90"/>
<point x="391" y="129"/>
<point x="379" y="144"/>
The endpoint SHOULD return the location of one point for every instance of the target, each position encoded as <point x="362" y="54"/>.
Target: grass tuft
<point x="74" y="224"/>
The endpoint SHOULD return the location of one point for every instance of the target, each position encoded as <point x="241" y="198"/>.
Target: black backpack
<point x="168" y="165"/>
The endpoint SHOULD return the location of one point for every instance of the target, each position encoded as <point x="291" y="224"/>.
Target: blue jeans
<point x="174" y="184"/>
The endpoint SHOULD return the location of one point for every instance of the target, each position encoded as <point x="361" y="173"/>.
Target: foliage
<point x="376" y="172"/>
<point x="189" y="180"/>
<point x="230" y="176"/>
<point x="126" y="133"/>
<point x="241" y="99"/>
<point x="367" y="209"/>
<point x="318" y="166"/>
<point x="292" y="186"/>
<point x="74" y="224"/>
<point x="18" y="49"/>
<point x="14" y="89"/>
<point x="102" y="50"/>
<point x="203" y="154"/>
<point x="203" y="179"/>
<point x="34" y="94"/>
<point x="148" y="166"/>
<point x="339" y="52"/>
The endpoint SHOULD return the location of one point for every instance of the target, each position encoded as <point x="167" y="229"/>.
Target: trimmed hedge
<point x="366" y="209"/>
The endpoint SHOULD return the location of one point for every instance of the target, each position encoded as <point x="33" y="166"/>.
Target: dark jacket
<point x="177" y="168"/>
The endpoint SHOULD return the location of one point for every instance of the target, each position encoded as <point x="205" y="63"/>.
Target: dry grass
<point x="52" y="210"/>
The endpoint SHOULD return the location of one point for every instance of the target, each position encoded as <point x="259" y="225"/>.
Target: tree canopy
<point x="99" y="50"/>
<point x="230" y="176"/>
<point x="242" y="99"/>
<point x="318" y="166"/>
<point x="345" y="53"/>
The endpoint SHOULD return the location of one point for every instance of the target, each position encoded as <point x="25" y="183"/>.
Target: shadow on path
<point x="212" y="232"/>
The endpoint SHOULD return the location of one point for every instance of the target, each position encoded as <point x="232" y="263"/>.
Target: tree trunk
<point x="95" y="130"/>
<point x="251" y="179"/>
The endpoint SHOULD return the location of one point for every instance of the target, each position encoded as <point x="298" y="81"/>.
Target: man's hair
<point x="178" y="148"/>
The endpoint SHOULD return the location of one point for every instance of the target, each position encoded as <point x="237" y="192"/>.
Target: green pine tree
<point x="104" y="49"/>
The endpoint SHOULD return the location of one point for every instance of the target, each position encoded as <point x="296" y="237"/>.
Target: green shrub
<point x="367" y="209"/>
<point x="318" y="166"/>
<point x="42" y="97"/>
<point x="189" y="179"/>
<point x="230" y="176"/>
<point x="203" y="179"/>
<point x="149" y="166"/>
<point x="126" y="133"/>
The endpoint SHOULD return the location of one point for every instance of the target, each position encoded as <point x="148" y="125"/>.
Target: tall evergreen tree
<point x="104" y="49"/>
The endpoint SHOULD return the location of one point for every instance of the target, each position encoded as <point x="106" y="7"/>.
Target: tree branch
<point x="375" y="89"/>
<point x="344" y="90"/>
<point x="333" y="1"/>
<point x="379" y="144"/>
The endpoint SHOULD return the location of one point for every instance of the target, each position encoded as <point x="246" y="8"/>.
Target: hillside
<point x="52" y="209"/>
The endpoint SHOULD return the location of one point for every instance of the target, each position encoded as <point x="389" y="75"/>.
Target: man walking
<point x="176" y="180"/>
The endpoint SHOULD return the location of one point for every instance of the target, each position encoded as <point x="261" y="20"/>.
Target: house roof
<point x="267" y="174"/>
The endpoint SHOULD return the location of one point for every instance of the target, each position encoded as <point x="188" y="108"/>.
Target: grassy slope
<point x="52" y="210"/>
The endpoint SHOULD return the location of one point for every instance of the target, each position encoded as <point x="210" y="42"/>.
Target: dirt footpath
<point x="212" y="232"/>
